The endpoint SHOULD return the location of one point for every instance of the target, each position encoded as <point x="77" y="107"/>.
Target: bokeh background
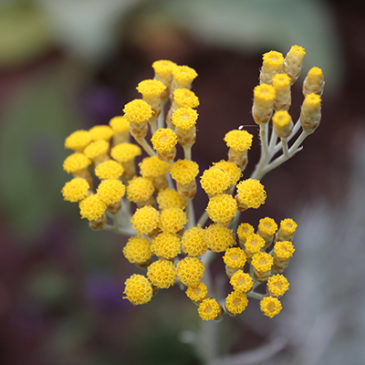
<point x="69" y="64"/>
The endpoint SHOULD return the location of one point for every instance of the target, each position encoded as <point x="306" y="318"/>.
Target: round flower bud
<point x="197" y="293"/>
<point x="272" y="63"/>
<point x="215" y="181"/>
<point x="219" y="237"/>
<point x="183" y="76"/>
<point x="270" y="306"/>
<point x="125" y="152"/>
<point x="184" y="118"/>
<point x="166" y="245"/>
<point x="244" y="230"/>
<point x="184" y="171"/>
<point x="78" y="140"/>
<point x="277" y="285"/>
<point x="267" y="228"/>
<point x="137" y="250"/>
<point x="172" y="220"/>
<point x="97" y="149"/>
<point x="283" y="250"/>
<point x="239" y="140"/>
<point x="283" y="124"/>
<point x="137" y="111"/>
<point x="231" y="169"/>
<point x="163" y="70"/>
<point x="76" y="162"/>
<point x="313" y="82"/>
<point x="109" y="170"/>
<point x="262" y="261"/>
<point x="222" y="208"/>
<point x="190" y="271"/>
<point x="162" y="274"/>
<point x="119" y="124"/>
<point x="75" y="190"/>
<point x="235" y="257"/>
<point x="152" y="167"/>
<point x="241" y="281"/>
<point x="209" y="309"/>
<point x="194" y="242"/>
<point x="185" y="98"/>
<point x="99" y="132"/>
<point x="92" y="208"/>
<point x="138" y="289"/>
<point x="253" y="244"/>
<point x="236" y="302"/>
<point x="263" y="103"/>
<point x="152" y="90"/>
<point x="170" y="198"/>
<point x="145" y="220"/>
<point x="140" y="189"/>
<point x="287" y="230"/>
<point x="250" y="194"/>
<point x="293" y="62"/>
<point x="164" y="140"/>
<point x="111" y="191"/>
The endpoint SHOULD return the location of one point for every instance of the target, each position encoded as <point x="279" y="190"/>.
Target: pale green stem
<point x="284" y="143"/>
<point x="191" y="214"/>
<point x="187" y="152"/>
<point x="144" y="144"/>
<point x="255" y="295"/>
<point x="161" y="117"/>
<point x="203" y="219"/>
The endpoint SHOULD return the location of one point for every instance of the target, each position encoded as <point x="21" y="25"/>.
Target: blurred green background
<point x="70" y="64"/>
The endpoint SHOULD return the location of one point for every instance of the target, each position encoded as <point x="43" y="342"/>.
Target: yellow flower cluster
<point x="131" y="184"/>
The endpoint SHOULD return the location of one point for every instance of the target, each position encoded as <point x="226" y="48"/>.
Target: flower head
<point x="151" y="89"/>
<point x="78" y="140"/>
<point x="277" y="285"/>
<point x="109" y="169"/>
<point x="125" y="152"/>
<point x="209" y="309"/>
<point x="231" y="169"/>
<point x="152" y="167"/>
<point x="166" y="245"/>
<point x="241" y="281"/>
<point x="163" y="70"/>
<point x="137" y="111"/>
<point x="75" y="190"/>
<point x="236" y="302"/>
<point x="138" y="289"/>
<point x="96" y="149"/>
<point x="76" y="162"/>
<point x="219" y="237"/>
<point x="283" y="250"/>
<point x="184" y="171"/>
<point x="190" y="271"/>
<point x="184" y="118"/>
<point x="162" y="274"/>
<point x="164" y="140"/>
<point x="238" y="140"/>
<point x="111" y="191"/>
<point x="273" y="60"/>
<point x="184" y="75"/>
<point x="215" y="181"/>
<point x="235" y="257"/>
<point x="262" y="261"/>
<point x="287" y="228"/>
<point x="197" y="293"/>
<point x="145" y="220"/>
<point x="119" y="124"/>
<point x="92" y="208"/>
<point x="194" y="242"/>
<point x="185" y="98"/>
<point x="267" y="226"/>
<point x="172" y="220"/>
<point x="222" y="208"/>
<point x="270" y="306"/>
<point x="254" y="243"/>
<point x="244" y="230"/>
<point x="140" y="189"/>
<point x="251" y="193"/>
<point x="170" y="198"/>
<point x="101" y="132"/>
<point x="264" y="95"/>
<point x="137" y="250"/>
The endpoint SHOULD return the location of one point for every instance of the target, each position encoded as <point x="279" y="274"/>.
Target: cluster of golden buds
<point x="154" y="206"/>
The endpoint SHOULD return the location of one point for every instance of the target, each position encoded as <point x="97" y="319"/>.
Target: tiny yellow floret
<point x="251" y="193"/>
<point x="138" y="290"/>
<point x="185" y="98"/>
<point x="283" y="250"/>
<point x="166" y="245"/>
<point x="151" y="89"/>
<point x="140" y="189"/>
<point x="164" y="140"/>
<point x="241" y="281"/>
<point x="172" y="220"/>
<point x="193" y="242"/>
<point x="119" y="124"/>
<point x="270" y="306"/>
<point x="152" y="167"/>
<point x="235" y="257"/>
<point x="162" y="274"/>
<point x="236" y="302"/>
<point x="219" y="237"/>
<point x="231" y="169"/>
<point x="277" y="285"/>
<point x="184" y="118"/>
<point x="244" y="230"/>
<point x="254" y="243"/>
<point x="267" y="226"/>
<point x="197" y="293"/>
<point x="262" y="262"/>
<point x="209" y="309"/>
<point x="137" y="250"/>
<point x="170" y="198"/>
<point x="109" y="169"/>
<point x="287" y="228"/>
<point x="163" y="70"/>
<point x="78" y="140"/>
<point x="76" y="162"/>
<point x="184" y="171"/>
<point x="92" y="208"/>
<point x="111" y="191"/>
<point x="263" y="94"/>
<point x="273" y="59"/>
<point x="215" y="181"/>
<point x="145" y="220"/>
<point x="184" y="75"/>
<point x="138" y="111"/>
<point x="101" y="132"/>
<point x="75" y="190"/>
<point x="238" y="140"/>
<point x="222" y="208"/>
<point x="190" y="271"/>
<point x="125" y="152"/>
<point x="96" y="149"/>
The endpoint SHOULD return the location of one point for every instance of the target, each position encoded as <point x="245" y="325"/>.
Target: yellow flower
<point x="151" y="89"/>
<point x="137" y="111"/>
<point x="231" y="169"/>
<point x="92" y="208"/>
<point x="152" y="167"/>
<point x="283" y="250"/>
<point x="119" y="124"/>
<point x="280" y="82"/>
<point x="172" y="220"/>
<point x="235" y="257"/>
<point x="270" y="306"/>
<point x="273" y="60"/>
<point x="76" y="162"/>
<point x="170" y="198"/>
<point x="277" y="285"/>
<point x="96" y="149"/>
<point x="267" y="226"/>
<point x="164" y="140"/>
<point x="185" y="98"/>
<point x="222" y="208"/>
<point x="78" y="140"/>
<point x="163" y="70"/>
<point x="190" y="271"/>
<point x="193" y="241"/>
<point x="287" y="229"/>
<point x="111" y="191"/>
<point x="241" y="281"/>
<point x="125" y="152"/>
<point x="244" y="230"/>
<point x="262" y="262"/>
<point x="109" y="170"/>
<point x="313" y="82"/>
<point x="209" y="309"/>
<point x="219" y="237"/>
<point x="75" y="190"/>
<point x="236" y="302"/>
<point x="184" y="118"/>
<point x="264" y="95"/>
<point x="184" y="75"/>
<point x="166" y="245"/>
<point x="251" y="193"/>
<point x="145" y="220"/>
<point x="238" y="140"/>
<point x="184" y="171"/>
<point x="138" y="289"/>
<point x="140" y="189"/>
<point x="197" y="293"/>
<point x="254" y="243"/>
<point x="162" y="274"/>
<point x="283" y="123"/>
<point x="215" y="181"/>
<point x="137" y="250"/>
<point x="101" y="132"/>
